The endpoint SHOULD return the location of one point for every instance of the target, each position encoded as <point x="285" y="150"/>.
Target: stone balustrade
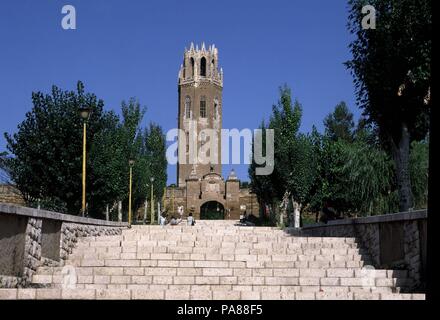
<point x="30" y="238"/>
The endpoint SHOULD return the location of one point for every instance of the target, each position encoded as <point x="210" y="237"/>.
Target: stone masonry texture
<point x="219" y="260"/>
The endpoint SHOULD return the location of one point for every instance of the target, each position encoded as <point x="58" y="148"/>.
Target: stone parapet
<point x="50" y="215"/>
<point x="30" y="238"/>
<point x="395" y="241"/>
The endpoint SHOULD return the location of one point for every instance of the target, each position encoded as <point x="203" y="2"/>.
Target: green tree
<point x="332" y="180"/>
<point x="47" y="153"/>
<point x="4" y="175"/>
<point x="131" y="133"/>
<point x="419" y="162"/>
<point x="295" y="162"/>
<point x="47" y="148"/>
<point x="355" y="174"/>
<point x="111" y="151"/>
<point x="261" y="185"/>
<point x="156" y="148"/>
<point x="285" y="121"/>
<point x="339" y="124"/>
<point x="368" y="179"/>
<point x="151" y="163"/>
<point x="305" y="167"/>
<point x="107" y="165"/>
<point x="244" y="184"/>
<point x="318" y="191"/>
<point x="392" y="75"/>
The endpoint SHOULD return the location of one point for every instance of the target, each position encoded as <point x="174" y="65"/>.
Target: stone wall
<point x="393" y="241"/>
<point x="249" y="200"/>
<point x="32" y="250"/>
<point x="70" y="232"/>
<point x="235" y="199"/>
<point x="12" y="235"/>
<point x="10" y="194"/>
<point x="30" y="238"/>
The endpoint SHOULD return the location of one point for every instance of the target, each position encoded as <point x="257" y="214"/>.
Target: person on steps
<point x="174" y="221"/>
<point x="162" y="220"/>
<point x="190" y="220"/>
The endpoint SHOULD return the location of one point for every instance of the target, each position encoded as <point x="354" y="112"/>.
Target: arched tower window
<point x="203" y="107"/>
<point x="215" y="108"/>
<point x="192" y="67"/>
<point x="203" y="67"/>
<point x="188" y="107"/>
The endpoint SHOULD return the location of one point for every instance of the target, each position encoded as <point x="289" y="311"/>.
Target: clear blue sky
<point x="134" y="48"/>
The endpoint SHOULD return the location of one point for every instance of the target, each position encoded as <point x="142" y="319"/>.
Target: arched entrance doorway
<point x="212" y="210"/>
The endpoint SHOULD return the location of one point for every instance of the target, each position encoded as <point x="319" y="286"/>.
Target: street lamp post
<point x="172" y="199"/>
<point x="146" y="204"/>
<point x="131" y="163"/>
<point x="151" y="200"/>
<point x="84" y="112"/>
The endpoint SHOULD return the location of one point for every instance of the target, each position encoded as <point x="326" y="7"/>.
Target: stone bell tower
<point x="200" y="89"/>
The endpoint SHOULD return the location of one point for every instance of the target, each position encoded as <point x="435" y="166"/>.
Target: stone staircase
<point x="216" y="260"/>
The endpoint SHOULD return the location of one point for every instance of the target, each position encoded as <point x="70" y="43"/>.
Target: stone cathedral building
<point x="200" y="187"/>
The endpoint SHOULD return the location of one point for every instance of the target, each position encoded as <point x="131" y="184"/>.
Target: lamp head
<point x="85" y="112"/>
<point x="131" y="162"/>
<point x="152" y="179"/>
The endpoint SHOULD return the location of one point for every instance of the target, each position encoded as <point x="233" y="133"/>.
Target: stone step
<point x="231" y="264"/>
<point x="196" y="241"/>
<point x="200" y="225"/>
<point x="199" y="228"/>
<point x="91" y="294"/>
<point x="130" y="252"/>
<point x="205" y="241"/>
<point x="141" y="259"/>
<point x="215" y="260"/>
<point x="210" y="231"/>
<point x="226" y="287"/>
<point x="229" y="287"/>
<point x="212" y="236"/>
<point x="214" y="277"/>
<point x="223" y="268"/>
<point x="146" y="252"/>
